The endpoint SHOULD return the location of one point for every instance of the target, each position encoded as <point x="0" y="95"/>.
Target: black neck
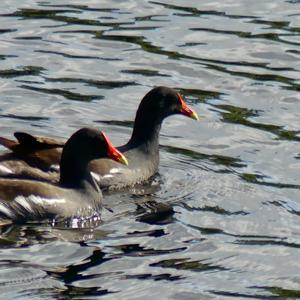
<point x="74" y="173"/>
<point x="145" y="131"/>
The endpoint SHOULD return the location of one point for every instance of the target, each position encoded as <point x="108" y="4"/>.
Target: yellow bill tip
<point x="194" y="116"/>
<point x="123" y="160"/>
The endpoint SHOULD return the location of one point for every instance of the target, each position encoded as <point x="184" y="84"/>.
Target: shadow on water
<point x="231" y="164"/>
<point x="66" y="94"/>
<point x="145" y="72"/>
<point x="221" y="160"/>
<point x="96" y="83"/>
<point x="24" y="71"/>
<point x="239" y="115"/>
<point x="75" y="56"/>
<point x="276" y="293"/>
<point x="283" y="293"/>
<point x="25" y="118"/>
<point x="60" y="16"/>
<point x="185" y="264"/>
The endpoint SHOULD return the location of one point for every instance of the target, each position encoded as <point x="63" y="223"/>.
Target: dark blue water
<point x="222" y="219"/>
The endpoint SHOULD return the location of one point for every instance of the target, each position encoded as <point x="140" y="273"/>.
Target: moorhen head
<point x="158" y="104"/>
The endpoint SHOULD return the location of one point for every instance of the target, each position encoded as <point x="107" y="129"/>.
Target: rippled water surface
<point x="222" y="219"/>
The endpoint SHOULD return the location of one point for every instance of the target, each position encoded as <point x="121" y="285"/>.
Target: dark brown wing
<point x="29" y="140"/>
<point x="38" y="152"/>
<point x="7" y="143"/>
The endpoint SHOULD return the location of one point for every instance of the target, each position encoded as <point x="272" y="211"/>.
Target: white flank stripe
<point x="54" y="168"/>
<point x="39" y="200"/>
<point x="97" y="177"/>
<point x="22" y="201"/>
<point x="26" y="202"/>
<point x="4" y="170"/>
<point x="108" y="176"/>
<point x="114" y="171"/>
<point x="5" y="210"/>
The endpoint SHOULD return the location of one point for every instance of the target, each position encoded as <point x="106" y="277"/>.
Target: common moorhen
<point x="142" y="150"/>
<point x="75" y="195"/>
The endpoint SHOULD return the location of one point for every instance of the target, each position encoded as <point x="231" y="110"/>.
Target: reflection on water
<point x="221" y="220"/>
